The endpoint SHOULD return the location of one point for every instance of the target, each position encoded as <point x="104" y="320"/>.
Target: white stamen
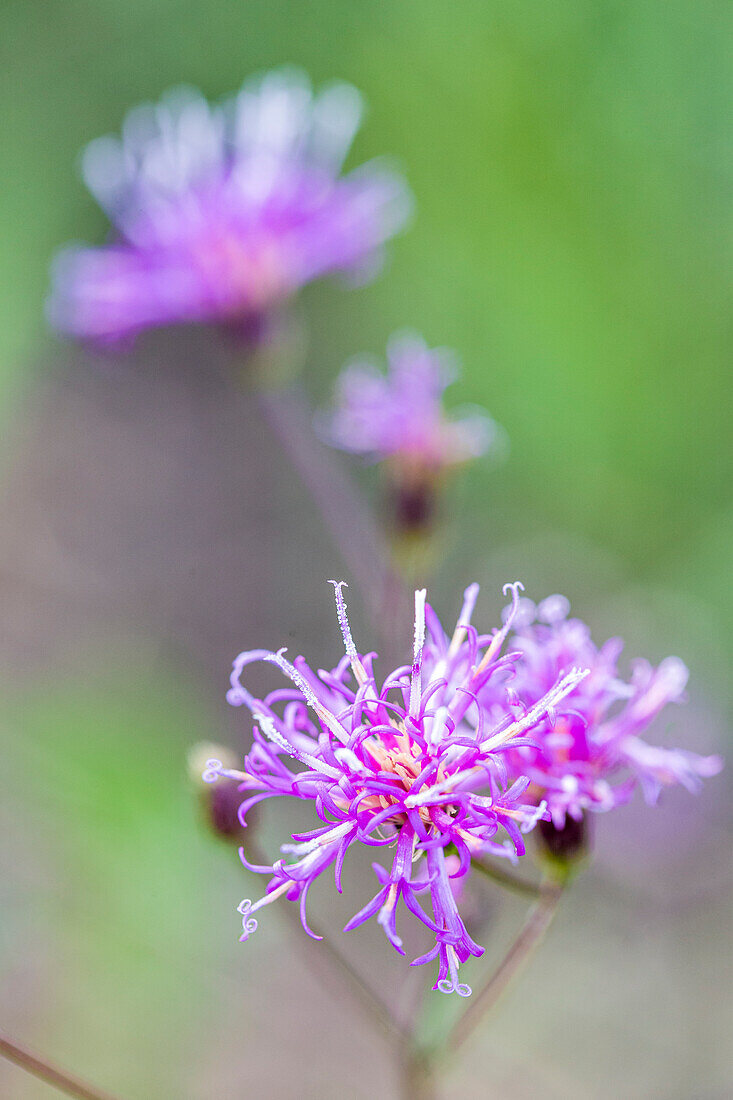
<point x="212" y="771"/>
<point x="215" y="769"/>
<point x="452" y="985"/>
<point x="270" y="730"/>
<point x="533" y="817"/>
<point x="246" y="908"/>
<point x="302" y="684"/>
<point x="437" y="726"/>
<point x="305" y="847"/>
<point x="558" y="692"/>
<point x="515" y="587"/>
<point x="349" y="757"/>
<point x="545" y="704"/>
<point x="354" y="658"/>
<point x="416" y="684"/>
<point x="469" y="602"/>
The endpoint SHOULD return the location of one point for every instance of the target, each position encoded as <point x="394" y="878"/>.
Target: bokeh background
<point x="572" y="169"/>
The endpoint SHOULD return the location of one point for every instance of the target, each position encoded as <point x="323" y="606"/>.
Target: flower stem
<point x="530" y="937"/>
<point x="46" y="1071"/>
<point x="418" y="1077"/>
<point x="506" y="879"/>
<point x="350" y="523"/>
<point x="318" y="952"/>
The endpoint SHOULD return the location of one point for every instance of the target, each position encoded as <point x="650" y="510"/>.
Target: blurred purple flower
<point x="592" y="756"/>
<point x="400" y="416"/>
<point x="413" y="766"/>
<point x="221" y="212"/>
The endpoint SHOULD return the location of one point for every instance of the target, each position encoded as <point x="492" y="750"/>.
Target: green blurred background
<point x="571" y="164"/>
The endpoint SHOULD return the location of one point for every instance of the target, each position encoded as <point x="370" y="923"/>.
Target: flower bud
<point x="219" y="802"/>
<point x="562" y="849"/>
<point x="413" y="503"/>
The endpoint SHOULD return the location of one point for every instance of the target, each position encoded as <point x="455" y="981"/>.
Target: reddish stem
<point x="46" y="1071"/>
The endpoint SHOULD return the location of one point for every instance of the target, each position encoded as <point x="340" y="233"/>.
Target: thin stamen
<point x="464" y="619"/>
<point x="532" y="716"/>
<point x="416" y="683"/>
<point x="268" y="727"/>
<point x="302" y="684"/>
<point x="215" y="770"/>
<point x="545" y="704"/>
<point x="498" y="640"/>
<point x="351" y="651"/>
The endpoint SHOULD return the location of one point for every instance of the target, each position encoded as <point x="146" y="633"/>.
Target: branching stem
<point x="530" y="937"/>
<point x="347" y="518"/>
<point x="46" y="1071"/>
<point x="339" y="967"/>
<point x="506" y="879"/>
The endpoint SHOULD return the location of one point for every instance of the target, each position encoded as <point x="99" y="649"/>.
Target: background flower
<point x="222" y="212"/>
<point x="591" y="757"/>
<point x="572" y="168"/>
<point x="400" y="415"/>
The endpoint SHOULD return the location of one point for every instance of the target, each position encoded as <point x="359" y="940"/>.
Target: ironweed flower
<point x="399" y="416"/>
<point x="592" y="757"/>
<point x="222" y="212"/>
<point x="413" y="766"/>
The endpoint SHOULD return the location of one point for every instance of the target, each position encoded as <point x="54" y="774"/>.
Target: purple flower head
<point x="591" y="757"/>
<point x="221" y="212"/>
<point x="412" y="766"/>
<point x="400" y="415"/>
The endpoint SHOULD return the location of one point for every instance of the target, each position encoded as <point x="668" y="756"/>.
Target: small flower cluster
<point x="222" y="212"/>
<point x="592" y="757"/>
<point x="455" y="756"/>
<point x="399" y="416"/>
<point x="413" y="765"/>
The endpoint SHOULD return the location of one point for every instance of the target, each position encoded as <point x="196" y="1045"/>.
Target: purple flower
<point x="591" y="757"/>
<point x="412" y="766"/>
<point x="400" y="416"/>
<point x="221" y="212"/>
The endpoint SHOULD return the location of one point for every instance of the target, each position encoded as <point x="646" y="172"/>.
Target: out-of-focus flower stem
<point x="417" y="1069"/>
<point x="505" y="879"/>
<point x="338" y="966"/>
<point x="421" y="1065"/>
<point x="348" y="520"/>
<point x="526" y="943"/>
<point x="418" y="1075"/>
<point x="46" y="1071"/>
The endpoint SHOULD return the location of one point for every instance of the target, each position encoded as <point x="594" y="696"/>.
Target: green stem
<point x="506" y="879"/>
<point x="46" y="1071"/>
<point x="526" y="943"/>
<point x="418" y="1076"/>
